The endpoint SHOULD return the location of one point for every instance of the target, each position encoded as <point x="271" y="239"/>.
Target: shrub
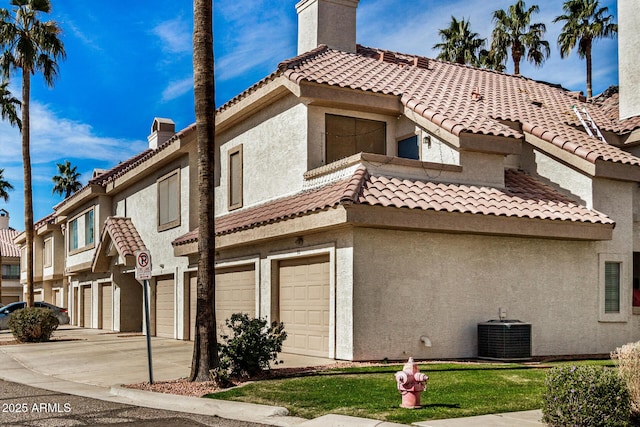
<point x="585" y="396"/>
<point x="32" y="324"/>
<point x="250" y="348"/>
<point x="628" y="359"/>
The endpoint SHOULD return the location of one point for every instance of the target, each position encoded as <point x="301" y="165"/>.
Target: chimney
<point x="161" y="131"/>
<point x="4" y="219"/>
<point x="628" y="52"/>
<point x="330" y="22"/>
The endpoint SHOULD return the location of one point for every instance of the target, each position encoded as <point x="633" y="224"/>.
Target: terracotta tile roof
<point x="124" y="235"/>
<point x="7" y="247"/>
<point x="459" y="98"/>
<point x="522" y="197"/>
<point x="609" y="101"/>
<point x="49" y="219"/>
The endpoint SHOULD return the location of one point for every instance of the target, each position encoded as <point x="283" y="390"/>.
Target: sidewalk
<point x="92" y="363"/>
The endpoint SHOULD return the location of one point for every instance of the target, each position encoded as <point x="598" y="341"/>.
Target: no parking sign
<point x="143" y="265"/>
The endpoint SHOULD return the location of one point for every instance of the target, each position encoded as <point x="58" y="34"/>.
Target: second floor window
<point x="11" y="271"/>
<point x="346" y="136"/>
<point x="81" y="231"/>
<point x="169" y="201"/>
<point x="73" y="235"/>
<point x="47" y="253"/>
<point x="235" y="178"/>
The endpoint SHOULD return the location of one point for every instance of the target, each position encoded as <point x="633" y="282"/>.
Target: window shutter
<point x="612" y="287"/>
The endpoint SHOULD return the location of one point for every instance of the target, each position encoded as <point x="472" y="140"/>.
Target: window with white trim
<point x="80" y="232"/>
<point x="613" y="287"/>
<point x="47" y="255"/>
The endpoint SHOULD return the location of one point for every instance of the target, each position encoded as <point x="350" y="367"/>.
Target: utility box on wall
<point x="504" y="340"/>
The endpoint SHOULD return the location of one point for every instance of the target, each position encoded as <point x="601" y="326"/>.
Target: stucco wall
<point x="274" y="153"/>
<point x="442" y="285"/>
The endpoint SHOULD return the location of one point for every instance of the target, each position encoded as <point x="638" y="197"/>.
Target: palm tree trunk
<point x="205" y="350"/>
<point x="588" y="58"/>
<point x="516" y="55"/>
<point x="28" y="197"/>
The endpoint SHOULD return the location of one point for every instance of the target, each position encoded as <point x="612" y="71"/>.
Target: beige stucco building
<point x="9" y="261"/>
<point x="381" y="205"/>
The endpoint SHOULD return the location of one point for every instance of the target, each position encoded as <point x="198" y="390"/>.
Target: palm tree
<point x="5" y="187"/>
<point x="29" y="45"/>
<point x="513" y="30"/>
<point x="66" y="182"/>
<point x="584" y="23"/>
<point x="459" y="44"/>
<point x="205" y="349"/>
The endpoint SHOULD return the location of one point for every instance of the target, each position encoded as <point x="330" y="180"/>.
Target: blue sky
<point x="130" y="61"/>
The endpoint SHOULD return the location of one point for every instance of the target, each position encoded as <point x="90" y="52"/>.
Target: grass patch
<point x="454" y="390"/>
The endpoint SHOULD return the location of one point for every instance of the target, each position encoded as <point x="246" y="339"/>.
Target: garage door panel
<point x="86" y="309"/>
<point x="107" y="306"/>
<point x="165" y="303"/>
<point x="235" y="293"/>
<point x="304" y="305"/>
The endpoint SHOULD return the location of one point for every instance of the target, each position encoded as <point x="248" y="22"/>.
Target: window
<point x="346" y="136"/>
<point x="47" y="253"/>
<point x="81" y="231"/>
<point x="73" y="235"/>
<point x="169" y="201"/>
<point x="235" y="178"/>
<point x="408" y="148"/>
<point x="612" y="287"/>
<point x="11" y="271"/>
<point x="88" y="228"/>
<point x="23" y="258"/>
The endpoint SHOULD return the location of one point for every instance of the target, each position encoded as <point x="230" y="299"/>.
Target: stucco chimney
<point x="330" y="22"/>
<point x="628" y="53"/>
<point x="4" y="220"/>
<point x="161" y="131"/>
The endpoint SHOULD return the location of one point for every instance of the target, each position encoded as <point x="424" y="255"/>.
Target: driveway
<point x="96" y="357"/>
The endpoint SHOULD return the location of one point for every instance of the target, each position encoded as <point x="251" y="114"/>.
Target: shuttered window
<point x="169" y="201"/>
<point x="235" y="178"/>
<point x="612" y="287"/>
<point x="47" y="252"/>
<point x="346" y="136"/>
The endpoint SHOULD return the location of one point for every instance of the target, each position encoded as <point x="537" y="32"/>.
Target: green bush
<point x="250" y="348"/>
<point x="585" y="396"/>
<point x="32" y="324"/>
<point x="628" y="360"/>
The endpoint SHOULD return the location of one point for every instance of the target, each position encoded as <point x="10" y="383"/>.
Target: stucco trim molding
<point x="407" y="219"/>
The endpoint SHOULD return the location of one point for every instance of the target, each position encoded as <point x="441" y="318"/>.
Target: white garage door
<point x="86" y="307"/>
<point x="304" y="305"/>
<point x="107" y="306"/>
<point x="235" y="293"/>
<point x="164" y="308"/>
<point x="56" y="297"/>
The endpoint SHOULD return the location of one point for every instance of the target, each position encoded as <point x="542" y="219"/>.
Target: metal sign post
<point x="143" y="272"/>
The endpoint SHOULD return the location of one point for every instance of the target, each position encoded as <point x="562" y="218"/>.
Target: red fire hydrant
<point x="411" y="382"/>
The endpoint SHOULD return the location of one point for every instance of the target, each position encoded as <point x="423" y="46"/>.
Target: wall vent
<point x="504" y="340"/>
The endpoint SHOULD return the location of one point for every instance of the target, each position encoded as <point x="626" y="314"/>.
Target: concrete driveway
<point x="96" y="357"/>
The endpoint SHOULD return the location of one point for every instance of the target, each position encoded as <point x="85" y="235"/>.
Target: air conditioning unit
<point x="504" y="340"/>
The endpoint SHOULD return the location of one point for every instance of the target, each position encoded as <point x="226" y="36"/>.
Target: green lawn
<point x="454" y="390"/>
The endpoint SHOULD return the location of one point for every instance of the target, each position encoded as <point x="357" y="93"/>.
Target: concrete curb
<point x="274" y="415"/>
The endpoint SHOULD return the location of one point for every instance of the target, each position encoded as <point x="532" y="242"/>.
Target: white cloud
<point x="174" y="35"/>
<point x="177" y="88"/>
